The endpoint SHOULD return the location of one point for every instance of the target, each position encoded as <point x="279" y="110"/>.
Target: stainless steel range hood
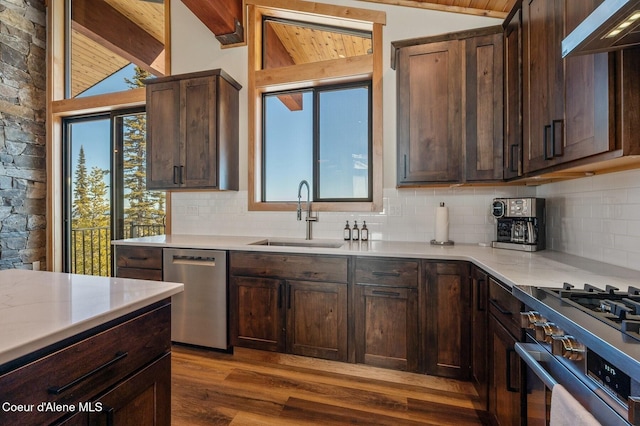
<point x="615" y="24"/>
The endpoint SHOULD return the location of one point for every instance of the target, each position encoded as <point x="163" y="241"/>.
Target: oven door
<point x="543" y="372"/>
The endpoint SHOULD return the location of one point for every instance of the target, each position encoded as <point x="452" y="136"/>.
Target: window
<point x="330" y="138"/>
<point x="105" y="197"/>
<point x="315" y="114"/>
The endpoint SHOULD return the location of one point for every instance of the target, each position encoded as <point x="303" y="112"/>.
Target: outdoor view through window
<point x="106" y="168"/>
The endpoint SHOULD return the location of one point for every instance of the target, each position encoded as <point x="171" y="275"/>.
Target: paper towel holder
<point x="441" y="243"/>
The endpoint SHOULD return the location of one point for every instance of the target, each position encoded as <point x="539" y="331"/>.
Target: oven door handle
<point x="531" y="355"/>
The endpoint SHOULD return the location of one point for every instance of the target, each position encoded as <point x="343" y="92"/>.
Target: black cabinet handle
<point x="385" y="274"/>
<point x="480" y="305"/>
<point x="513" y="167"/>
<point x="181" y="175"/>
<point x="110" y="415"/>
<point x="555" y="150"/>
<point x="57" y="390"/>
<point x="288" y="296"/>
<point x="548" y="137"/>
<point x="280" y="295"/>
<point x="138" y="258"/>
<point x="509" y="354"/>
<point x="405" y="166"/>
<point x="500" y="308"/>
<point x="386" y="293"/>
<point x="175" y="175"/>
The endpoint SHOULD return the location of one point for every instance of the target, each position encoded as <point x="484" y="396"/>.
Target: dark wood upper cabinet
<point x="192" y="131"/>
<point x="429" y="113"/>
<point x="450" y="97"/>
<point x="483" y="107"/>
<point x="512" y="149"/>
<point x="569" y="103"/>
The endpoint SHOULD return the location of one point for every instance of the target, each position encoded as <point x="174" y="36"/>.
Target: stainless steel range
<point x="588" y="340"/>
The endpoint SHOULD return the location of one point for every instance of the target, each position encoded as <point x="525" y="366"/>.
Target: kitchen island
<point x="78" y="347"/>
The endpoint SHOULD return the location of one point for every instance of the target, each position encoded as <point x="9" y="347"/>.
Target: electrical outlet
<point x="395" y="210"/>
<point x="35" y="265"/>
<point x="192" y="210"/>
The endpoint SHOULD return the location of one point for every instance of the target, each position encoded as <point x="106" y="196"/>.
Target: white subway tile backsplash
<point x="596" y="217"/>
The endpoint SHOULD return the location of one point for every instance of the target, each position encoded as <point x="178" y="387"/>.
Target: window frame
<point x="58" y="108"/>
<point x="304" y="76"/>
<point x="315" y="137"/>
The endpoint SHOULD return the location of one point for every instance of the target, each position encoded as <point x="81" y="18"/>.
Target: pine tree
<point x="143" y="207"/>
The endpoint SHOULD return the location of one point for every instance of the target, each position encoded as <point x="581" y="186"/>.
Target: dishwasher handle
<point x="530" y="355"/>
<point x="193" y="260"/>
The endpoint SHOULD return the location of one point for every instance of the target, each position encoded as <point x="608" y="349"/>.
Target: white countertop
<point x="542" y="269"/>
<point x="40" y="308"/>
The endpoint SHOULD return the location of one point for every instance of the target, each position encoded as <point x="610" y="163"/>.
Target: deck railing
<point x="91" y="247"/>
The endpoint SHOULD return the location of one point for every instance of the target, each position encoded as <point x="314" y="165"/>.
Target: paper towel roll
<point x="442" y="223"/>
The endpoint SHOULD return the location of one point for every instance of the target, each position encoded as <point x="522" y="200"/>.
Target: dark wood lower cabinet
<point x="505" y="385"/>
<point x="317" y="319"/>
<point x="387" y="327"/>
<point x="292" y="308"/>
<point x="445" y="319"/>
<point x="479" y="324"/>
<point x="256" y="315"/>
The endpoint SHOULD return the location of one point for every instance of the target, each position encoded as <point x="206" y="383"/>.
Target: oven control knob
<point x="568" y="347"/>
<point x="546" y="331"/>
<point x="529" y="319"/>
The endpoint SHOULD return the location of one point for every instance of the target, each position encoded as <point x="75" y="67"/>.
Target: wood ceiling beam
<point x="452" y="7"/>
<point x="275" y="56"/>
<point x="105" y="25"/>
<point x="223" y="18"/>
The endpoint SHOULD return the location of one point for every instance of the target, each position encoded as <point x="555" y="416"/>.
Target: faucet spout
<point x="309" y="217"/>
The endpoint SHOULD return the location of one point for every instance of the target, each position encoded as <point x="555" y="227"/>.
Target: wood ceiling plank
<point x="454" y="6"/>
<point x="102" y="23"/>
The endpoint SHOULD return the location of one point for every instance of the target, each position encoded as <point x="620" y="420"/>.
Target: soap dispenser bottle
<point x="347" y="232"/>
<point x="364" y="232"/>
<point x="355" y="232"/>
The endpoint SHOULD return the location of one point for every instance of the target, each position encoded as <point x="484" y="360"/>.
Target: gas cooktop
<point x="619" y="309"/>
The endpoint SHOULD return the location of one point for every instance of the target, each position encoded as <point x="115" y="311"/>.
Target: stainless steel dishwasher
<point x="199" y="314"/>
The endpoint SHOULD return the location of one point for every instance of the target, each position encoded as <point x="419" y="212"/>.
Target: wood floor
<point x="262" y="388"/>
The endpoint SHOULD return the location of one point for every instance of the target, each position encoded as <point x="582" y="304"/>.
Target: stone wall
<point x="22" y="134"/>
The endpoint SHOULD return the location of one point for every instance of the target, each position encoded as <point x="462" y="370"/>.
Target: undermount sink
<point x="292" y="243"/>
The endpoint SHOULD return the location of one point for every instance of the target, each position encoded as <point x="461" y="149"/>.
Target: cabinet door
<point x="142" y="400"/>
<point x="484" y="107"/>
<point x="543" y="125"/>
<point x="198" y="124"/>
<point x="479" y="354"/>
<point x="505" y="380"/>
<point x="429" y="113"/>
<point x="317" y="319"/>
<point x="513" y="96"/>
<point x="163" y="135"/>
<point x="256" y="313"/>
<point x="446" y="317"/>
<point x="589" y="91"/>
<point x="387" y="327"/>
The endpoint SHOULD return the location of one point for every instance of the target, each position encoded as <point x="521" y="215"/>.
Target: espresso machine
<point x="519" y="223"/>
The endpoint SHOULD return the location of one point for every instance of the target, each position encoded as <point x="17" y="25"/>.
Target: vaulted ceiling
<point x="110" y="34"/>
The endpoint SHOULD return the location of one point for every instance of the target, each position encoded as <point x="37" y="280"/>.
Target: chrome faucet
<point x="309" y="217"/>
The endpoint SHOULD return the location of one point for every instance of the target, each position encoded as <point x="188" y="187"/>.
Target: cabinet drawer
<point x="78" y="372"/>
<point x="290" y="266"/>
<point x="505" y="307"/>
<point x="139" y="257"/>
<point x="388" y="272"/>
<point x="141" y="274"/>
